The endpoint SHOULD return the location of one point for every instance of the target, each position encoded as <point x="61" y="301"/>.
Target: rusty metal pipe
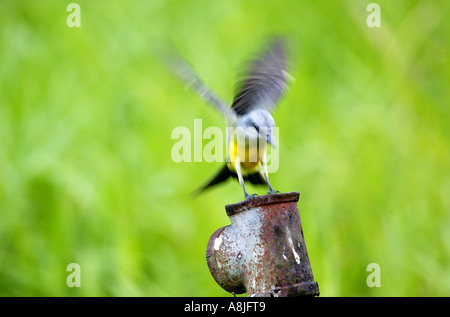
<point x="263" y="251"/>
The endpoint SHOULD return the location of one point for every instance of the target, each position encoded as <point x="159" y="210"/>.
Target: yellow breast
<point x="249" y="156"/>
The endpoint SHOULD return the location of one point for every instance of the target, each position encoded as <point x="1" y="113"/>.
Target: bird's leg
<point x="266" y="174"/>
<point x="237" y="166"/>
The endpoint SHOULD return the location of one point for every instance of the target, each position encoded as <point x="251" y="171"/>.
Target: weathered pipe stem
<point x="263" y="251"/>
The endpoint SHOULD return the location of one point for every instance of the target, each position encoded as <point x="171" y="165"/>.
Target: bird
<point x="250" y="124"/>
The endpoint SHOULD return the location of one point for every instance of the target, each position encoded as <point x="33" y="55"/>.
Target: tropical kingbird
<point x="250" y="124"/>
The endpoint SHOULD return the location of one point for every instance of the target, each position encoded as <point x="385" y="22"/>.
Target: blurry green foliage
<point x="86" y="116"/>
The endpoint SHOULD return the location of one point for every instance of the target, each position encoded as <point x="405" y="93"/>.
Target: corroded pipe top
<point x="258" y="201"/>
<point x="262" y="252"/>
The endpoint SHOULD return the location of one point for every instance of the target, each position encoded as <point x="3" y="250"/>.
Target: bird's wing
<point x="265" y="82"/>
<point x="192" y="81"/>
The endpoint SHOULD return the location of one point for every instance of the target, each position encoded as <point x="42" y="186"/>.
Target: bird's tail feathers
<point x="223" y="174"/>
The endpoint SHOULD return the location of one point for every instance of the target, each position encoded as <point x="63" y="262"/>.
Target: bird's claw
<point x="247" y="196"/>
<point x="271" y="192"/>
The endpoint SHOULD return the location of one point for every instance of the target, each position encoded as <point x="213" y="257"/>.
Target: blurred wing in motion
<point x="265" y="82"/>
<point x="185" y="72"/>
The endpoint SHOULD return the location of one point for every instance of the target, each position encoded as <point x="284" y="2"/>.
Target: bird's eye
<point x="255" y="126"/>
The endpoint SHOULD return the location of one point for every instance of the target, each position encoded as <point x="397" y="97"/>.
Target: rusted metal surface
<point x="262" y="252"/>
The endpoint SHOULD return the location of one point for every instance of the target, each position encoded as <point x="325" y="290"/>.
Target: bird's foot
<point x="271" y="192"/>
<point x="247" y="196"/>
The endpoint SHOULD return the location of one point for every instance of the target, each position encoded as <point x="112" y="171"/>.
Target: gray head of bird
<point x="258" y="125"/>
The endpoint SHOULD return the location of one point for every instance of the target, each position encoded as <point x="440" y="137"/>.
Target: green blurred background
<point x="86" y="116"/>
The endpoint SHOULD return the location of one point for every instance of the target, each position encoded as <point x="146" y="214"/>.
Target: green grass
<point x="86" y="116"/>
